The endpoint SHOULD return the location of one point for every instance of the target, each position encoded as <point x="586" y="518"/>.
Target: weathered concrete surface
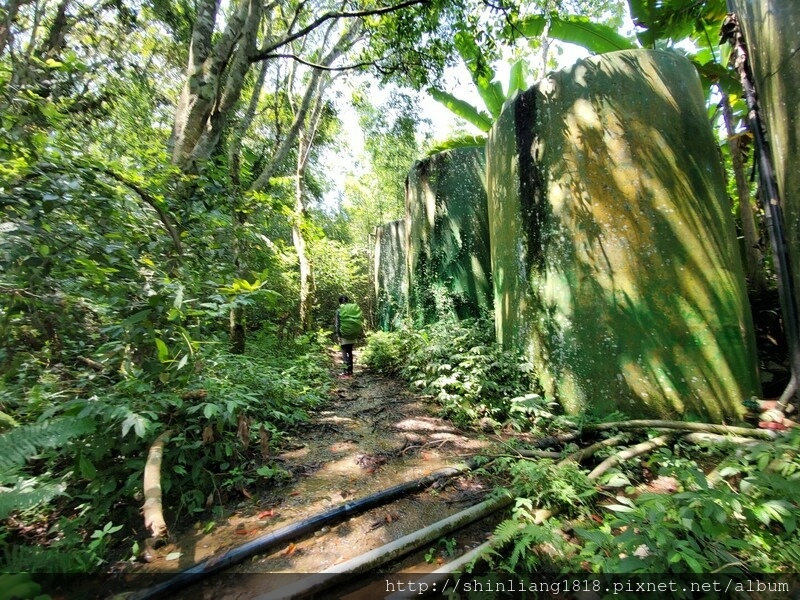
<point x="772" y="32"/>
<point x="447" y="236"/>
<point x="391" y="275"/>
<point x="613" y="247"/>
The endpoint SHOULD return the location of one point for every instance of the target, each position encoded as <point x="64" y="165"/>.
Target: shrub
<point x="468" y="373"/>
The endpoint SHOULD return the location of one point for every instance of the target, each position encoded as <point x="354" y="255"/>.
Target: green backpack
<point x="350" y="321"/>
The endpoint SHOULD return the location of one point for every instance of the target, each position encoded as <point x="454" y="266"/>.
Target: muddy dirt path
<point x="371" y="434"/>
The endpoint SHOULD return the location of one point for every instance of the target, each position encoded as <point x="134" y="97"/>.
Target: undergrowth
<point x="459" y="364"/>
<point x="71" y="467"/>
<point x="741" y="519"/>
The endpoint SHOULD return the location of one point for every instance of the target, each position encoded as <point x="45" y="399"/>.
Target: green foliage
<point x="215" y="450"/>
<point x="543" y="484"/>
<point x="748" y="525"/>
<point x="444" y="548"/>
<point x="459" y="364"/>
<point x="470" y="376"/>
<point x="465" y="141"/>
<point x="463" y="109"/>
<point x="595" y="37"/>
<point x="742" y="520"/>
<point x="672" y="19"/>
<point x="387" y="352"/>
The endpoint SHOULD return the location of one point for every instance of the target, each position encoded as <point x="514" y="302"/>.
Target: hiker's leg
<point x="347" y="357"/>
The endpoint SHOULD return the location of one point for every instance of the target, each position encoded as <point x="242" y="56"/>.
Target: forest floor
<point x="371" y="434"/>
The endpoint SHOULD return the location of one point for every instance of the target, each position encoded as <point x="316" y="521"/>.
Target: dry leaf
<point x="266" y="514"/>
<point x="290" y="550"/>
<point x="208" y="434"/>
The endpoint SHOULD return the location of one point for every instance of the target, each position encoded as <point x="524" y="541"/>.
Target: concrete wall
<point x="447" y="239"/>
<point x="391" y="275"/>
<point x="613" y="246"/>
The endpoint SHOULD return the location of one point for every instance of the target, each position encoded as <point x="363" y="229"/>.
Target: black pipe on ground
<point x="285" y="534"/>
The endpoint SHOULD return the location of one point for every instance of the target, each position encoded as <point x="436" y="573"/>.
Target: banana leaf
<point x="463" y="109"/>
<point x="596" y="38"/>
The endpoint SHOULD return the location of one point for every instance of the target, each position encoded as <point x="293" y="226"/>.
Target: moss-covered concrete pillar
<point x="391" y="277"/>
<point x="447" y="236"/>
<point x="772" y="33"/>
<point x="613" y="247"/>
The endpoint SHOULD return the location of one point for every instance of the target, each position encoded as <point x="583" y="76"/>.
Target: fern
<point x="37" y="559"/>
<point x="26" y="495"/>
<point x="25" y="442"/>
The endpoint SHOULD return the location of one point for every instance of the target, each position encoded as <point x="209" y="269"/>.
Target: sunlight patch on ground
<point x="423" y="424"/>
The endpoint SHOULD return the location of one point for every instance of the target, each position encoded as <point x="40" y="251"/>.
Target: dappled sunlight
<point x="638" y="300"/>
<point x="447" y="233"/>
<point x="424" y="424"/>
<point x="391" y="280"/>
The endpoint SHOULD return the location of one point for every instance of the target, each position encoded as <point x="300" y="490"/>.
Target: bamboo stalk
<point x="152" y="509"/>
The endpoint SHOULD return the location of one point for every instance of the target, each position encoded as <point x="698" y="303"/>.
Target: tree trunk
<point x="752" y="250"/>
<point x="313" y="92"/>
<point x="299" y="241"/>
<point x="214" y="79"/>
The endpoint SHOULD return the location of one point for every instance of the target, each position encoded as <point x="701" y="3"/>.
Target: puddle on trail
<point x="372" y="435"/>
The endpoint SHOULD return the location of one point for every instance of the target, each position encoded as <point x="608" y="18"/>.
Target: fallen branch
<point x="93" y="364"/>
<point x="153" y="512"/>
<point x="714" y="439"/>
<point x="537" y="454"/>
<point x="542" y="514"/>
<point x="633" y="451"/>
<point x="682" y="426"/>
<point x="585" y="453"/>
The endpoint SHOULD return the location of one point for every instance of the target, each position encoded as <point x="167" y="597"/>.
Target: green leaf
<point x="481" y="72"/>
<point x="163" y="351"/>
<point x="617" y="480"/>
<point x="596" y="38"/>
<point x="516" y="78"/>
<point x="135" y="421"/>
<point x="462" y="109"/>
<point x="466" y="141"/>
<point x="178" y="298"/>
<point x="620" y="508"/>
<point x="136" y="318"/>
<point x="88" y="470"/>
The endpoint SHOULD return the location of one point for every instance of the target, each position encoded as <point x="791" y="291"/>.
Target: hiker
<point x="348" y="328"/>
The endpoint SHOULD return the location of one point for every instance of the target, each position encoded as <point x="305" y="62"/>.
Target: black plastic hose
<point x="276" y="538"/>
